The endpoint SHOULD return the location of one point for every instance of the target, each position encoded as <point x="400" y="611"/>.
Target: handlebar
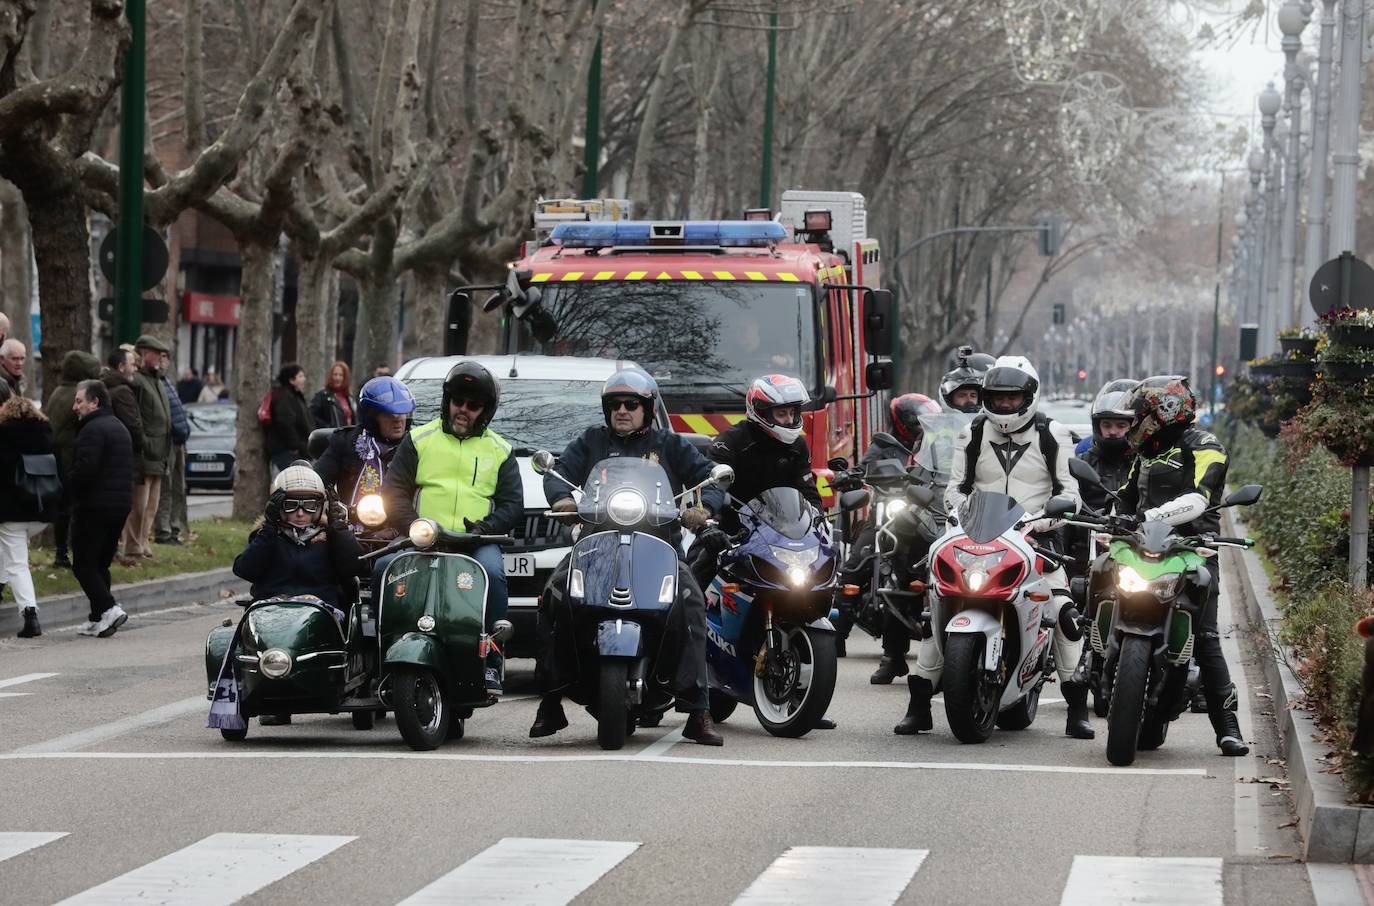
<point x="444" y="536"/>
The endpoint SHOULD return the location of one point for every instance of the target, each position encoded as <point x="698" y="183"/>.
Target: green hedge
<point x="1302" y="525"/>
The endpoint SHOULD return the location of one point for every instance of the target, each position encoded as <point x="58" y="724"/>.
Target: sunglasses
<point x="311" y="506"/>
<point x="627" y="405"/>
<point x="469" y="405"/>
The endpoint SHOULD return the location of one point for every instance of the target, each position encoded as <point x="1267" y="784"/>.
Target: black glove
<point x="713" y="539"/>
<point x="338" y="516"/>
<point x="476" y="528"/>
<point x="272" y="512"/>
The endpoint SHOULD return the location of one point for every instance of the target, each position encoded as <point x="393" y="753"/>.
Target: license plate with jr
<point x="519" y="564"/>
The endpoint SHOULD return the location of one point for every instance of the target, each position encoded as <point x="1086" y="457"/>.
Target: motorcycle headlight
<point x="895" y="506"/>
<point x="274" y="663"/>
<point x="1166" y="585"/>
<point x="370" y="510"/>
<point x="626" y="507"/>
<point x="423" y="532"/>
<point x="799" y="577"/>
<point x="1128" y="580"/>
<point x="975" y="579"/>
<point x="798" y="559"/>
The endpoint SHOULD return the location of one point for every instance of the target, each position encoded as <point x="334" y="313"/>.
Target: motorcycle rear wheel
<point x="970" y="703"/>
<point x="721" y="705"/>
<point x="807" y="669"/>
<point x="612" y="706"/>
<point x="422" y="714"/>
<point x="1128" y="699"/>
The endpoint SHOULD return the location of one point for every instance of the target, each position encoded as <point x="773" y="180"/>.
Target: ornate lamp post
<point x="1291" y="22"/>
<point x="1270" y="101"/>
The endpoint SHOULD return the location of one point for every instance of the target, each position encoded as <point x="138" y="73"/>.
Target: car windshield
<point x="532" y="415"/>
<point x="211" y="419"/>
<point x="694" y="337"/>
<point x="784" y="510"/>
<point x="985" y="515"/>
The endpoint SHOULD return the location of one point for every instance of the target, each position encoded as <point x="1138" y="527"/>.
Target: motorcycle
<point x="772" y="645"/>
<point x="990" y="599"/>
<point x="622" y="585"/>
<point x="1147" y="591"/>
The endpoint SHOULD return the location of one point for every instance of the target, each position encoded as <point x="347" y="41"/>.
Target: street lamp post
<point x="1269" y="103"/>
<point x="1314" y="241"/>
<point x="1291" y="22"/>
<point x="1254" y="202"/>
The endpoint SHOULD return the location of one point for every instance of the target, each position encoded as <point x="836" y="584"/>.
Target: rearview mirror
<point x="542" y="461"/>
<point x="319" y="442"/>
<point x="1060" y="507"/>
<point x="853" y="500"/>
<point x="459" y="323"/>
<point x="919" y="495"/>
<point x="884" y="437"/>
<point x="1244" y="495"/>
<point x="1084" y="472"/>
<point x="722" y="476"/>
<point x="838" y="464"/>
<point x="502" y="630"/>
<point x="878" y="375"/>
<point x="879" y="330"/>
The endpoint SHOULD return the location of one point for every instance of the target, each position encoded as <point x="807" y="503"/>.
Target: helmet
<point x="469" y="380"/>
<point x="1012" y="374"/>
<point x="968" y="371"/>
<point x="295" y="482"/>
<point x="383" y="394"/>
<point x="1162" y="406"/>
<point x="774" y="390"/>
<point x="634" y="382"/>
<point x="906" y="411"/>
<point x="1113" y="401"/>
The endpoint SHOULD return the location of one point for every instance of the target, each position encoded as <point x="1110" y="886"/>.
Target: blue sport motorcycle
<point x="771" y="643"/>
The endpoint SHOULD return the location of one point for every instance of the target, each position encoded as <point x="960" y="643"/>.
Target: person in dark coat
<point x="332" y="407"/>
<point x="172" y="518"/>
<point x="155" y="410"/>
<point x="116" y="377"/>
<point x="77" y="366"/>
<point x="289" y="433"/>
<point x="102" y="481"/>
<point x="190" y="386"/>
<point x="23" y="431"/>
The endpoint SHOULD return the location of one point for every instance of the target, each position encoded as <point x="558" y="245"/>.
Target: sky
<point x="1238" y="72"/>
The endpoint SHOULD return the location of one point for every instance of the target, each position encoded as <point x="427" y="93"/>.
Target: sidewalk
<point x="72" y="609"/>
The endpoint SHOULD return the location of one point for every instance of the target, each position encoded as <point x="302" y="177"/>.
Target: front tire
<point x="970" y="701"/>
<point x="798" y="683"/>
<point x="612" y="705"/>
<point x="422" y="714"/>
<point x="1128" y="699"/>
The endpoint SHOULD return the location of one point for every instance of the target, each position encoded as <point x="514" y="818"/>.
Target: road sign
<point x="155" y="311"/>
<point x="1327" y="291"/>
<point x="154" y="257"/>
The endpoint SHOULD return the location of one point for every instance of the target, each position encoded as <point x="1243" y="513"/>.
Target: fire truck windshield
<point x="697" y="338"/>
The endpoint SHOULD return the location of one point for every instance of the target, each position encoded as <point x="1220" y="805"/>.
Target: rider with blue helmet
<point x="356" y="460"/>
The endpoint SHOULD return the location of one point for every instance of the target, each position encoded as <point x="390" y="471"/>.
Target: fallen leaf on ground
<point x="1291" y="823"/>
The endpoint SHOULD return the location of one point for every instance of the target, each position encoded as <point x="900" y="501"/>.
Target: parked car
<point x="546" y="401"/>
<point x="210" y="448"/>
<point x="1075" y="414"/>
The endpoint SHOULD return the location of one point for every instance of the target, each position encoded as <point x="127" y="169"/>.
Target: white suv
<point x="546" y="401"/>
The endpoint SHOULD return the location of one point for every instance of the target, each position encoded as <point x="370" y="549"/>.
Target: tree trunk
<point x="57" y="220"/>
<point x="374" y="341"/>
<point x="252" y="371"/>
<point x="16" y="262"/>
<point x="312" y="303"/>
<point x="430" y="310"/>
<point x="648" y="126"/>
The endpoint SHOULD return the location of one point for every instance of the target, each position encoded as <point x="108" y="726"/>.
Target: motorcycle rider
<point x="1181" y="471"/>
<point x="463" y="475"/>
<point x="962" y="386"/>
<point x="355" y="462"/>
<point x="628" y="400"/>
<point x="1107" y="450"/>
<point x="1013" y="449"/>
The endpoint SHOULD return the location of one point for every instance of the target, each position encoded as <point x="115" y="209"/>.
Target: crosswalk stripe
<point x="12" y="844"/>
<point x="519" y="871"/>
<point x="835" y="874"/>
<point x="215" y="871"/>
<point x="26" y="678"/>
<point x="1142" y="881"/>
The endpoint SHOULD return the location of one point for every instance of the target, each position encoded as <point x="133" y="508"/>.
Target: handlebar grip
<point x="1242" y="542"/>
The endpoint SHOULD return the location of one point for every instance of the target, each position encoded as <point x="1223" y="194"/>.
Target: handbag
<point x="265" y="410"/>
<point x="37" y="486"/>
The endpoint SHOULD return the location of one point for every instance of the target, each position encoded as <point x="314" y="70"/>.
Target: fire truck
<point x="707" y="306"/>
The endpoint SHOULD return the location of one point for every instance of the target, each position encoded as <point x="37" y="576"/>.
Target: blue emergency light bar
<point x="710" y="233"/>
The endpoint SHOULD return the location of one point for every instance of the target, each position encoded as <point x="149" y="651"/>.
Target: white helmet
<point x="769" y="392"/>
<point x="299" y="481"/>
<point x="1012" y="374"/>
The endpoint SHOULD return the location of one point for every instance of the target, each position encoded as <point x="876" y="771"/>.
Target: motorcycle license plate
<point x="519" y="564"/>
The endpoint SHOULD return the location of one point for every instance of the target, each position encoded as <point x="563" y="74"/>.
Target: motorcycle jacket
<point x="760" y="463"/>
<point x="1112" y="469"/>
<point x="1030" y="465"/>
<point x="1180" y="482"/>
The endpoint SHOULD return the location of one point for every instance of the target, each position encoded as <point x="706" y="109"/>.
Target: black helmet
<point x="469" y="380"/>
<point x="1113" y="401"/>
<point x="631" y="382"/>
<point x="968" y="371"/>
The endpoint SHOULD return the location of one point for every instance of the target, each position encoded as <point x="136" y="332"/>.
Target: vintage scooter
<point x="622" y="585"/>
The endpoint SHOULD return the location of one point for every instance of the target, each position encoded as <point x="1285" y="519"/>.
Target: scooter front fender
<point x="419" y="650"/>
<point x="822" y="623"/>
<point x="974" y="622"/>
<point x="618" y="638"/>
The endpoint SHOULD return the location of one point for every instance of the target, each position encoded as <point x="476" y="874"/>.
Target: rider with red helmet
<point x="767" y="449"/>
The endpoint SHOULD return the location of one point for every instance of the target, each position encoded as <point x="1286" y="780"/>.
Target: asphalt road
<point x="111" y="790"/>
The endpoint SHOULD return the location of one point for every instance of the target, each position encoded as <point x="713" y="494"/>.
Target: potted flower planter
<point x="1262" y="372"/>
<point x="1294" y="369"/>
<point x="1348" y="334"/>
<point x="1302" y="346"/>
<point x="1347" y="372"/>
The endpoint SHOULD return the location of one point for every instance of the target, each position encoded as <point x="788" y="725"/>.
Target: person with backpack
<point x="1012" y="449"/>
<point x="29" y="495"/>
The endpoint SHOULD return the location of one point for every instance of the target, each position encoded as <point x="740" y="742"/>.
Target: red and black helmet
<point x="770" y="392"/>
<point x="906" y="411"/>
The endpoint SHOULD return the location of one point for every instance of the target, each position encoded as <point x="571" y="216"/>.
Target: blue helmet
<point x="631" y="382"/>
<point x="383" y="394"/>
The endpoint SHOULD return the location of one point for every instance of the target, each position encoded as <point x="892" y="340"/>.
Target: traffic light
<point x="1051" y="234"/>
<point x="1057" y="313"/>
<point x="1221" y="371"/>
<point x="1082" y="375"/>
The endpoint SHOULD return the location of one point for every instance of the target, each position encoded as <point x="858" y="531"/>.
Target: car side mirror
<point x="542" y="461"/>
<point x="853" y="500"/>
<point x="838" y="464"/>
<point x="919" y="495"/>
<point x="1244" y="495"/>
<point x="1084" y="472"/>
<point x="722" y="476"/>
<point x="1061" y="506"/>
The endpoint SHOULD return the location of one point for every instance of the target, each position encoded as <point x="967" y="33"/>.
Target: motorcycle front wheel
<point x="1128" y="699"/>
<point x="422" y="714"/>
<point x="612" y="704"/>
<point x="798" y="681"/>
<point x="970" y="701"/>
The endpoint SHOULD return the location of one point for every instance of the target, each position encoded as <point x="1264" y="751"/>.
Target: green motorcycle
<point x="1146" y="593"/>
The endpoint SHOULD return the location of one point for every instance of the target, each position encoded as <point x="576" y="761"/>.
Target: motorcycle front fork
<point x="771" y="642"/>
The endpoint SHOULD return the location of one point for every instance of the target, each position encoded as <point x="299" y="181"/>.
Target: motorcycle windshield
<point x="987" y="515"/>
<point x="627" y="491"/>
<point x="939" y="445"/>
<point x="784" y="510"/>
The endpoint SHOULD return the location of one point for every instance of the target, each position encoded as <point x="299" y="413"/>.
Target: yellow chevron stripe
<point x="823" y="485"/>
<point x="540" y="278"/>
<point x="736" y="419"/>
<point x="635" y="275"/>
<point x="723" y="275"/>
<point x="786" y="277"/>
<point x="604" y="275"/>
<point x="699" y="424"/>
<point x="691" y="275"/>
<point x="663" y="276"/>
<point x="572" y="276"/>
<point x="754" y="275"/>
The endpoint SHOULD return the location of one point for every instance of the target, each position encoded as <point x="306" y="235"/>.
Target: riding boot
<point x="1224" y="723"/>
<point x="890" y="667"/>
<point x="700" y="729"/>
<point x="1076" y="697"/>
<point x="917" y="719"/>
<point x="549" y="719"/>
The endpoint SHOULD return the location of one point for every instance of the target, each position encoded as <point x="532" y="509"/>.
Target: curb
<point x="1332" y="830"/>
<point x="72" y="609"/>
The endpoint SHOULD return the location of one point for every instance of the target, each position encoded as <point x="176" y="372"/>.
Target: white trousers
<point x="14" y="561"/>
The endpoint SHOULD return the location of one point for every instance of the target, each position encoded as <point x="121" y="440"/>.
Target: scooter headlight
<point x="423" y="532"/>
<point x="274" y="663"/>
<point x="626" y="507"/>
<point x="371" y="512"/>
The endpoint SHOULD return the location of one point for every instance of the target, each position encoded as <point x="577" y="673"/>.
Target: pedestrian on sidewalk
<point x="288" y="433"/>
<point x="189" y="387"/>
<point x="170" y="526"/>
<point x="210" y="392"/>
<point x="333" y="406"/>
<point x="23" y="431"/>
<point x="12" y="358"/>
<point x="77" y="366"/>
<point x="102" y="482"/>
<point x="117" y="376"/>
<point x="155" y="412"/>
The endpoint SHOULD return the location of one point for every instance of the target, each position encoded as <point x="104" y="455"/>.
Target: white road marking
<point x="12" y="844"/>
<point x="520" y="871"/>
<point x="822" y="875"/>
<point x="220" y="869"/>
<point x="14" y="694"/>
<point x="26" y="678"/>
<point x="21" y="755"/>
<point x="1142" y="881"/>
<point x="661" y="745"/>
<point x="83" y="738"/>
